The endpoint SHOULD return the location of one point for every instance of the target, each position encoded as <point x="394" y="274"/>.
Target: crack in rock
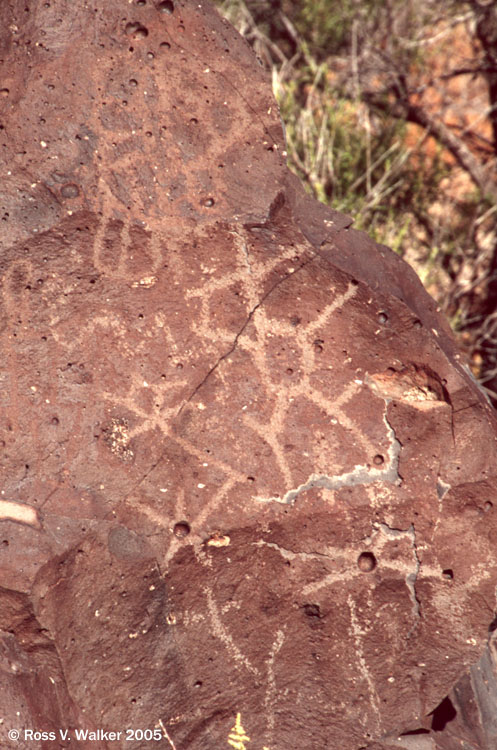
<point x="242" y="330"/>
<point x="289" y="554"/>
<point x="223" y="357"/>
<point x="360" y="475"/>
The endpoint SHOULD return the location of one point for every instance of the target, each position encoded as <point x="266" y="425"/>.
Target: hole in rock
<point x="442" y="715"/>
<point x="448" y="573"/>
<point x="70" y="191"/>
<point x="166" y="6"/>
<point x="312" y="610"/>
<point x="136" y="30"/>
<point x="181" y="529"/>
<point x="382" y="318"/>
<point x="378" y="460"/>
<point x="488" y="506"/>
<point x="366" y="562"/>
<point x="208" y="202"/>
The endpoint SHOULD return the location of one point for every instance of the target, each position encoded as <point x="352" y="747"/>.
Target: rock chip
<point x="248" y="490"/>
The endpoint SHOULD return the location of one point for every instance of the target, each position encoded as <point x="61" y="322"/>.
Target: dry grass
<point x="398" y="181"/>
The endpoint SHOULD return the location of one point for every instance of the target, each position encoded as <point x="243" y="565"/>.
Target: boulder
<point x="249" y="495"/>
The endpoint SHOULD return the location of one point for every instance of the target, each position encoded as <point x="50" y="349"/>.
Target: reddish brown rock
<point x="248" y="491"/>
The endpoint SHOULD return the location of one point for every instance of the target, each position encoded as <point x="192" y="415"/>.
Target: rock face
<point x="248" y="491"/>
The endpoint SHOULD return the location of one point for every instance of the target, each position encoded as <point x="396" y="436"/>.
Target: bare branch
<point x="444" y="135"/>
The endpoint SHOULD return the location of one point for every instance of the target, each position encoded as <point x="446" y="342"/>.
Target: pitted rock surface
<point x="248" y="491"/>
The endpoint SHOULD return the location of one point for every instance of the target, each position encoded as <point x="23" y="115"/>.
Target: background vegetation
<point x="390" y="108"/>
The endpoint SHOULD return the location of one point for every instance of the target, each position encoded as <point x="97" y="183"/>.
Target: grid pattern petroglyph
<point x="153" y="405"/>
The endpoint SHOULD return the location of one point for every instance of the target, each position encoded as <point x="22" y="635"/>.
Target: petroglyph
<point x="221" y="632"/>
<point x="196" y="353"/>
<point x="358" y="634"/>
<point x="360" y="475"/>
<point x="12" y="511"/>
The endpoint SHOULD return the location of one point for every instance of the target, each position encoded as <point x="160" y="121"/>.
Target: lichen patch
<point x="118" y="439"/>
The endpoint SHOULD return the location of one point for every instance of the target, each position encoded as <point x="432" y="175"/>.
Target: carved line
<point x="357" y="634"/>
<point x="360" y="475"/>
<point x="270" y="698"/>
<point x="220" y="631"/>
